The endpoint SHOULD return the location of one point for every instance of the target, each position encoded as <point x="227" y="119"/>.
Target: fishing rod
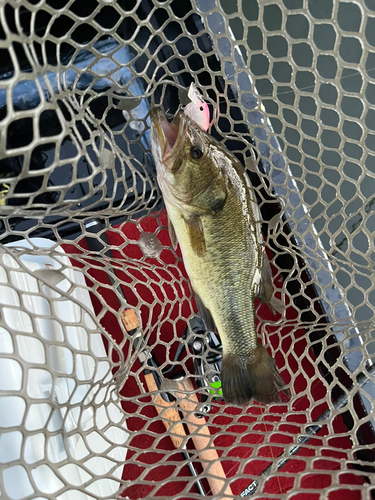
<point x="163" y="403"/>
<point x="192" y="409"/>
<point x="188" y="401"/>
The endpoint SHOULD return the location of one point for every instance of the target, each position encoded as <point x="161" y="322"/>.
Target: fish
<point x="214" y="217"/>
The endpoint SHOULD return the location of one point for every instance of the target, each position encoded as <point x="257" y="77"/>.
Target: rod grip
<point x="169" y="414"/>
<point x="203" y="440"/>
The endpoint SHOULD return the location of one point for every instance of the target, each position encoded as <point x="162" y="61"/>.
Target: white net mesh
<point x="84" y="239"/>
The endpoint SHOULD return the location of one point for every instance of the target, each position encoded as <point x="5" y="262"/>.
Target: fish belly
<point x="226" y="276"/>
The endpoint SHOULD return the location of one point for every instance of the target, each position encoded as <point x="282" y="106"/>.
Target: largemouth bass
<point x="214" y="217"/>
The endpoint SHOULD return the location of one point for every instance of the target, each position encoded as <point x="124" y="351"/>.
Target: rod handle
<point x="168" y="413"/>
<point x="203" y="440"/>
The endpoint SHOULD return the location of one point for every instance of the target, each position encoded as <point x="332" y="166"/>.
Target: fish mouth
<point x="165" y="134"/>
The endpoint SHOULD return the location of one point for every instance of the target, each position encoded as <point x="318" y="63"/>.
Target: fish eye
<point x="196" y="152"/>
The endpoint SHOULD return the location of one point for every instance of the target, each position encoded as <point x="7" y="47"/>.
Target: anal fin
<point x="205" y="314"/>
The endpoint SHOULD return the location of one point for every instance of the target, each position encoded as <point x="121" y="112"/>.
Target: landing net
<point x="85" y="255"/>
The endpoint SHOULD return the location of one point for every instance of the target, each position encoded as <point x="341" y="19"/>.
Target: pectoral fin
<point x="205" y="314"/>
<point x="265" y="292"/>
<point x="196" y="235"/>
<point x="172" y="234"/>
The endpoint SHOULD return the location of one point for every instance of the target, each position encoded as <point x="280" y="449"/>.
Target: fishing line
<point x="165" y="80"/>
<point x="309" y="87"/>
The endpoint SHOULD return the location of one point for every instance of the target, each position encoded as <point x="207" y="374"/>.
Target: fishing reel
<point x="207" y="358"/>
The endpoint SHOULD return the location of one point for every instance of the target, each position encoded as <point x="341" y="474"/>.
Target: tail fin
<point x="250" y="376"/>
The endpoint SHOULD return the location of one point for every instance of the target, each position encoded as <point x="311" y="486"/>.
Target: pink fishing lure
<point x="197" y="109"/>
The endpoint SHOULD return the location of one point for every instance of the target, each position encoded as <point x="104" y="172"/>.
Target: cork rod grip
<point x="168" y="414"/>
<point x="202" y="440"/>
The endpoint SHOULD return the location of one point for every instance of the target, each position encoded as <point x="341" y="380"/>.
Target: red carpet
<point x="235" y="430"/>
